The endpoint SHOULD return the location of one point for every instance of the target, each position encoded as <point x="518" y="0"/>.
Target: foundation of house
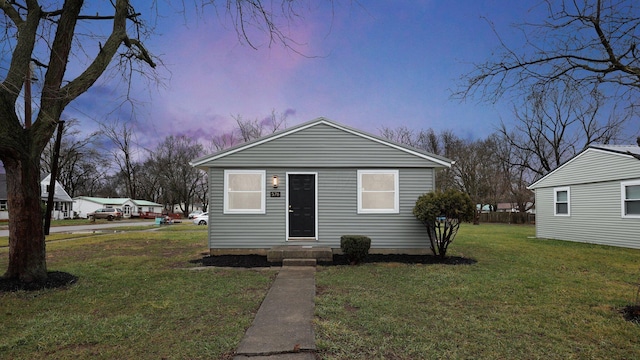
<point x="299" y="252"/>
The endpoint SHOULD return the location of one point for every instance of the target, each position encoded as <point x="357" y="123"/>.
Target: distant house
<point x="514" y="208"/>
<point x="62" y="202"/>
<point x="84" y="205"/>
<point x="192" y="207"/>
<point x="310" y="184"/>
<point x="594" y="197"/>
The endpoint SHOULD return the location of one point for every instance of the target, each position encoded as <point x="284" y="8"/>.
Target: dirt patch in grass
<point x="632" y="313"/>
<point x="55" y="279"/>
<point x="250" y="261"/>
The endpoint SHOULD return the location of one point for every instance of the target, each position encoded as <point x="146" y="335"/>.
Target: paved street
<point x="89" y="226"/>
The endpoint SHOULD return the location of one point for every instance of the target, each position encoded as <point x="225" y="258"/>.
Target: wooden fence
<point x="508" y="218"/>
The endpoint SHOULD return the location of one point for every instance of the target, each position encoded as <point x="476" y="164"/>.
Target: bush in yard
<point x="355" y="247"/>
<point x="441" y="213"/>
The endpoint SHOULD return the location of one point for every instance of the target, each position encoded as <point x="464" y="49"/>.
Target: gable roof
<point x="116" y="201"/>
<point x="622" y="151"/>
<point x="59" y="193"/>
<point x="103" y="201"/>
<point x="202" y="161"/>
<point x="145" y="203"/>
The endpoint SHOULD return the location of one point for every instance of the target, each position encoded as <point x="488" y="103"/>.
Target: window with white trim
<point x="378" y="192"/>
<point x="562" y="201"/>
<point x="630" y="191"/>
<point x="244" y="191"/>
<point x="3" y="205"/>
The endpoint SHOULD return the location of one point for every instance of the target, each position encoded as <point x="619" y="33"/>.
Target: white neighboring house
<point x="62" y="202"/>
<point x="192" y="208"/>
<point x="84" y="205"/>
<point x="594" y="198"/>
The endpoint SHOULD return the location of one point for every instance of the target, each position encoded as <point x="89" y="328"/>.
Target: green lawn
<point x="135" y="299"/>
<point x="523" y="299"/>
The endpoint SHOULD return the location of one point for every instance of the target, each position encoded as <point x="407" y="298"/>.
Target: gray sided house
<point x="592" y="198"/>
<point x="310" y="184"/>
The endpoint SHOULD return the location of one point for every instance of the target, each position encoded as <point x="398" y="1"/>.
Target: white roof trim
<point x="590" y="149"/>
<point x="204" y="160"/>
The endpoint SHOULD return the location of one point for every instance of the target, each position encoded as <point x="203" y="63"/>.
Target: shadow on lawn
<point x="55" y="279"/>
<point x="251" y="261"/>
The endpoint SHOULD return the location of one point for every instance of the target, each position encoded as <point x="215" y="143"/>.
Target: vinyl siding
<point x="595" y="216"/>
<point x="337" y="212"/>
<point x="321" y="146"/>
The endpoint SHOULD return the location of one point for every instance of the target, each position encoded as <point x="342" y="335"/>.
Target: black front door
<point x="302" y="205"/>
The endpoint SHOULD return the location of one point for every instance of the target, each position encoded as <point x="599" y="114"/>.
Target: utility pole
<point x="52" y="180"/>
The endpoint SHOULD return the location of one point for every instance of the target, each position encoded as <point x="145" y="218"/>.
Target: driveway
<point x="89" y="227"/>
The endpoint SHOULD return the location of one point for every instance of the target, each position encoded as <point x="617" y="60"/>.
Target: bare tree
<point x="223" y="141"/>
<point x="181" y="181"/>
<point x="477" y="170"/>
<point x="586" y="43"/>
<point x="47" y="33"/>
<point x="124" y="152"/>
<point x="477" y="167"/>
<point x="78" y="158"/>
<point x="248" y="130"/>
<point x="404" y="135"/>
<point x="149" y="182"/>
<point x="442" y="144"/>
<point x="552" y="125"/>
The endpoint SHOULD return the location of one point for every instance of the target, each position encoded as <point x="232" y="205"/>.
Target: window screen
<point x="561" y="201"/>
<point x="378" y="191"/>
<point x="631" y="199"/>
<point x="244" y="191"/>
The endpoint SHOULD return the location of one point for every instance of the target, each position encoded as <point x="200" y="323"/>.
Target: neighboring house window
<point x="562" y="201"/>
<point x="244" y="191"/>
<point x="378" y="191"/>
<point x="3" y="205"/>
<point x="631" y="199"/>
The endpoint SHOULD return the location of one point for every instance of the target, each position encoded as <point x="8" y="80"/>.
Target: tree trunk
<point x="27" y="258"/>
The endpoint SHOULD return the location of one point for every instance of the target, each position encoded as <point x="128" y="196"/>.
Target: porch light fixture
<point x="275" y="181"/>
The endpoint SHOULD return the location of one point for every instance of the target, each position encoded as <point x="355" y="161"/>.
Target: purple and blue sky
<point x="370" y="65"/>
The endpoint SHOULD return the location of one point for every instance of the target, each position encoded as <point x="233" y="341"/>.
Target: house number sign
<point x="275" y="194"/>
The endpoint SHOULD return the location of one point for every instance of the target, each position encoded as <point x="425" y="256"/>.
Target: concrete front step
<point x="280" y="253"/>
<point x="299" y="262"/>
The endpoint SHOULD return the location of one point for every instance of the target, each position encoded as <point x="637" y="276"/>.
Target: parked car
<point x="106" y="213"/>
<point x="195" y="213"/>
<point x="201" y="219"/>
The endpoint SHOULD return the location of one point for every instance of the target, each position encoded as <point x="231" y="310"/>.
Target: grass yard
<point x="523" y="299"/>
<point x="134" y="299"/>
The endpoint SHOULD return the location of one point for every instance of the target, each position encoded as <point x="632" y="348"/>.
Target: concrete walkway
<point x="283" y="326"/>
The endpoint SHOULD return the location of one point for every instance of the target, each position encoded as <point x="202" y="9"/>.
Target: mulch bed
<point x="251" y="261"/>
<point x="55" y="279"/>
